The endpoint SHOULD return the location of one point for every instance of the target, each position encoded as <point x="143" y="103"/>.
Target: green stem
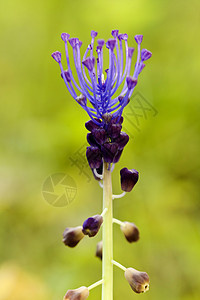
<point x="107" y="266"/>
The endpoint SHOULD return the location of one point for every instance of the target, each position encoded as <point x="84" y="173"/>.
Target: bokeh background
<point x="42" y="131"/>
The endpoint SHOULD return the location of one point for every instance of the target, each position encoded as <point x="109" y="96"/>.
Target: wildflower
<point x="139" y="281"/>
<point x="81" y="293"/>
<point x="130" y="231"/>
<point x="92" y="225"/>
<point x="128" y="179"/>
<point x="98" y="88"/>
<point x="72" y="236"/>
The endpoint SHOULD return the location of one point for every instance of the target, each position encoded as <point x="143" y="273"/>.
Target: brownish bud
<point x="81" y="293"/>
<point x="139" y="281"/>
<point x="130" y="231"/>
<point x="72" y="236"/>
<point x="99" y="249"/>
<point x="107" y="117"/>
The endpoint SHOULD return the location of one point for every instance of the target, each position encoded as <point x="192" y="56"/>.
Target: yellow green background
<point x="41" y="127"/>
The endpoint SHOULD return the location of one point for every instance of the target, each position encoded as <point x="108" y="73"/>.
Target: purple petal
<point x="89" y="63"/>
<point x="57" y="56"/>
<point x="115" y="33"/>
<point x="145" y="54"/>
<point x="131" y="82"/>
<point x="111" y="44"/>
<point x="139" y="38"/>
<point x="94" y="33"/>
<point x="73" y="42"/>
<point x="101" y="42"/>
<point x="65" y="36"/>
<point x="123" y="36"/>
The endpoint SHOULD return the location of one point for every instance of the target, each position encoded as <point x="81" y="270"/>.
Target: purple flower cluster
<point x="106" y="142"/>
<point x="98" y="94"/>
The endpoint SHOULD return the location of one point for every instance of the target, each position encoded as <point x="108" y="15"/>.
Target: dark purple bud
<point x="123" y="36"/>
<point x="73" y="42"/>
<point x="94" y="157"/>
<point x="90" y="125"/>
<point x="57" y="56"/>
<point x="122" y="140"/>
<point x="81" y="100"/>
<point x="72" y="236"/>
<point x="130" y="231"/>
<point x="81" y="293"/>
<point x="130" y="52"/>
<point x="111" y="44"/>
<point x="106" y="70"/>
<point x="91" y="140"/>
<point x="89" y="63"/>
<point x="138" y="38"/>
<point x="94" y="33"/>
<point x="141" y="67"/>
<point x="109" y="150"/>
<point x="67" y="76"/>
<point x="115" y="120"/>
<point x="131" y="82"/>
<point x="65" y="36"/>
<point x="117" y="156"/>
<point x="145" y="54"/>
<point x="115" y="33"/>
<point x="99" y="250"/>
<point x="139" y="281"/>
<point x="92" y="225"/>
<point x="99" y="135"/>
<point x="114" y="130"/>
<point x="99" y="171"/>
<point x="128" y="179"/>
<point x="101" y="43"/>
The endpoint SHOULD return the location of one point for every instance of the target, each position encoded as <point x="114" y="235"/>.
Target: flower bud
<point x="72" y="236"/>
<point x="130" y="231"/>
<point x="92" y="225"/>
<point x="99" y="249"/>
<point x="128" y="179"/>
<point x="139" y="281"/>
<point x="81" y="293"/>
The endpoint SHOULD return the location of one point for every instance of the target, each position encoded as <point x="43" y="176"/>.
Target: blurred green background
<point x="42" y="128"/>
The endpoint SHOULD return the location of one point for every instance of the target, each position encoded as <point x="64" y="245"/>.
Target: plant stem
<point x="107" y="266"/>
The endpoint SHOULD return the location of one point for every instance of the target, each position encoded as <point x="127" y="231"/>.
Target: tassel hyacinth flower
<point x="104" y="94"/>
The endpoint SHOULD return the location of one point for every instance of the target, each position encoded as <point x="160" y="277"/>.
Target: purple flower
<point x="99" y="86"/>
<point x="128" y="179"/>
<point x="92" y="225"/>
